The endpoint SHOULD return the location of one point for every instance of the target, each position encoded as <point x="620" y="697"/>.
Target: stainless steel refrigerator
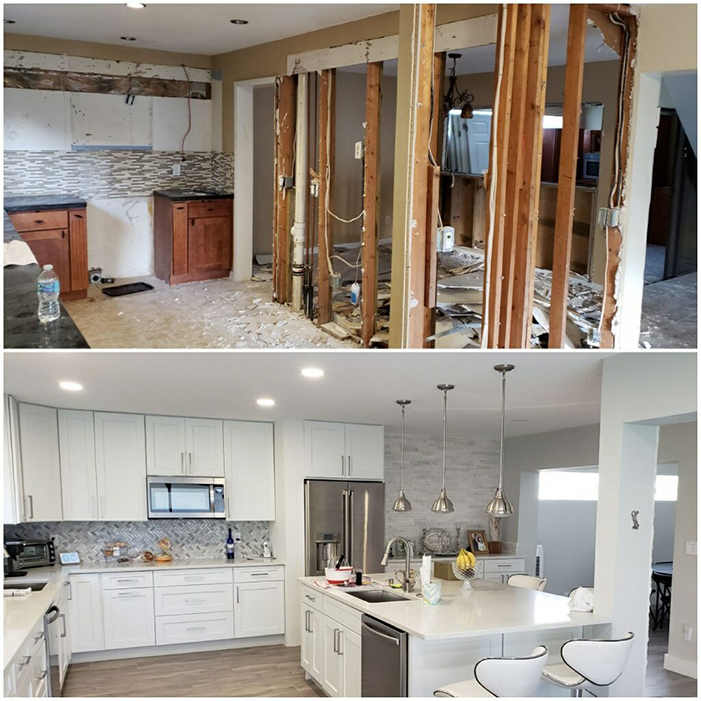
<point x="344" y="518"/>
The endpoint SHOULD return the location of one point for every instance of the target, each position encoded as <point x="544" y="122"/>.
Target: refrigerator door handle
<point x="350" y="528"/>
<point x="346" y="527"/>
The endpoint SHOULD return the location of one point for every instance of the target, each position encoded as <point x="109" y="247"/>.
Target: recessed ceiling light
<point x="263" y="401"/>
<point x="136" y="5"/>
<point x="71" y="386"/>
<point x="9" y="21"/>
<point x="128" y="38"/>
<point x="312" y="372"/>
<point x="238" y="21"/>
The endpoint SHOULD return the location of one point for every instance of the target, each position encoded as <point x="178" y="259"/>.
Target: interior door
<point x="208" y="244"/>
<point x="478" y="134"/>
<point x="51" y="247"/>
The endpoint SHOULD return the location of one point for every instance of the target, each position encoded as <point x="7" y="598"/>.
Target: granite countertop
<point x="490" y="608"/>
<point x="22" y="326"/>
<point x="42" y="203"/>
<point x="193" y="194"/>
<point x="20" y="615"/>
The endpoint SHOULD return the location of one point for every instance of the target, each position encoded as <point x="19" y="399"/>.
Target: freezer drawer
<point x="384" y="655"/>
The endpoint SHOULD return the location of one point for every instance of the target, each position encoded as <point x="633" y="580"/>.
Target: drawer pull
<point x="509" y="565"/>
<point x="193" y="576"/>
<point x="63" y="234"/>
<point x="311" y="598"/>
<point x="78" y="216"/>
<point x="131" y="579"/>
<point x="194" y="630"/>
<point x="259" y="574"/>
<point x="127" y="595"/>
<point x="25" y="661"/>
<point x="38" y="637"/>
<point x="38" y="221"/>
<point x="194" y="601"/>
<point x="42" y="676"/>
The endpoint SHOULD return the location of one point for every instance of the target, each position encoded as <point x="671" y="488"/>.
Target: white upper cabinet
<point x="346" y="451"/>
<point x="11" y="467"/>
<point x="250" y="470"/>
<point x="178" y="447"/>
<point x="41" y="471"/>
<point x="76" y="432"/>
<point x="205" y="447"/>
<point x="325" y="449"/>
<point x="365" y="452"/>
<point x="121" y="466"/>
<point x="165" y="445"/>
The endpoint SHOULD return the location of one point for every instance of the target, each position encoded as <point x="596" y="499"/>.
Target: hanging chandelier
<point x="453" y="98"/>
<point x="402" y="503"/>
<point x="443" y="505"/>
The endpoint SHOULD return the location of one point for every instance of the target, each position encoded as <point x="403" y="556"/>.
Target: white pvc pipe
<point x="299" y="230"/>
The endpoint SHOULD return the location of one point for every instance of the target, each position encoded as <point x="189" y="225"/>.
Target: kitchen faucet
<point x="408" y="583"/>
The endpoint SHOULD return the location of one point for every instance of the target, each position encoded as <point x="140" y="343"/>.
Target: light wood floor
<point x="660" y="682"/>
<point x="258" y="671"/>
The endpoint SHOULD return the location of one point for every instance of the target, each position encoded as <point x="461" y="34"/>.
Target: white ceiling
<point x="545" y="392"/>
<point x="192" y="28"/>
<point x="480" y="59"/>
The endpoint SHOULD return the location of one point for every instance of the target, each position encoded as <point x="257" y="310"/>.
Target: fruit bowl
<point x="338" y="576"/>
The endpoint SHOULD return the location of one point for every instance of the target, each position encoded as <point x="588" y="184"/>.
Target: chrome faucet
<point x="408" y="583"/>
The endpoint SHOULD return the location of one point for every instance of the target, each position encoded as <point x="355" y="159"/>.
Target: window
<point x="551" y="121"/>
<point x="574" y="485"/>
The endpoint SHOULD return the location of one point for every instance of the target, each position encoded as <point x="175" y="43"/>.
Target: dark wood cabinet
<point x="58" y="238"/>
<point x="193" y="239"/>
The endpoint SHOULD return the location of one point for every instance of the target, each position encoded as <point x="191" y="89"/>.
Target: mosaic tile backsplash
<point x="471" y="476"/>
<point x="92" y="174"/>
<point x="190" y="538"/>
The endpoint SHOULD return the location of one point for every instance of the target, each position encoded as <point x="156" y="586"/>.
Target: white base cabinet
<point x="27" y="674"/>
<point x="129" y="618"/>
<point x="87" y="630"/>
<point x="194" y="628"/>
<point x="259" y="609"/>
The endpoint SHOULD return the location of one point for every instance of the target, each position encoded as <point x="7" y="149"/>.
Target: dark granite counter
<point x="22" y="326"/>
<point x="42" y="203"/>
<point x="181" y="195"/>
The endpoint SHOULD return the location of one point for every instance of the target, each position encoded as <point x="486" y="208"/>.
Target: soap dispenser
<point x="267" y="553"/>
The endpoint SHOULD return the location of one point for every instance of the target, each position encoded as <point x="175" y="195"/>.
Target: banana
<point x="466" y="560"/>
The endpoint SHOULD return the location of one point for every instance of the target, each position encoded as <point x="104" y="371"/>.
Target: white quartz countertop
<point x="490" y="608"/>
<point x="21" y="614"/>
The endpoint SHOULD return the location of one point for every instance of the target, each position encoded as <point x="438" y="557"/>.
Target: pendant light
<point x="402" y="503"/>
<point x="500" y="506"/>
<point x="443" y="505"/>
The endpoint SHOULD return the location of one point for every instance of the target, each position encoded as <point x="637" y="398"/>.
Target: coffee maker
<point x="11" y="553"/>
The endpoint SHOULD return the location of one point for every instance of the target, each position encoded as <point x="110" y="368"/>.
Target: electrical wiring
<point x="189" y="115"/>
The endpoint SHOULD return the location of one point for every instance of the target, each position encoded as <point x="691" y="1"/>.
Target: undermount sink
<point x="376" y="596"/>
<point x="34" y="586"/>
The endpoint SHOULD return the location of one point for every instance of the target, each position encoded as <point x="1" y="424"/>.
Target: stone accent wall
<point x="92" y="174"/>
<point x="190" y="538"/>
<point x="472" y="475"/>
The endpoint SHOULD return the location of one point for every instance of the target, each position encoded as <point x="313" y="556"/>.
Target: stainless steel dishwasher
<point x="385" y="652"/>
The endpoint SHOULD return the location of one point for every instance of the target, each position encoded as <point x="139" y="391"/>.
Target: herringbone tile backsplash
<point x="190" y="538"/>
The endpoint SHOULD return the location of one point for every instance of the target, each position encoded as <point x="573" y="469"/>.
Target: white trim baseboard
<point x="179" y="649"/>
<point x="676" y="664"/>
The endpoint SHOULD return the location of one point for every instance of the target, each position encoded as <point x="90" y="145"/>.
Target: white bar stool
<point x="526" y="581"/>
<point x="589" y="663"/>
<point x="501" y="676"/>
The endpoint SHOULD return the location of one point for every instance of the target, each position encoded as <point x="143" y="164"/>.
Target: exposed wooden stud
<point x="514" y="169"/>
<point x="529" y="199"/>
<point x="496" y="177"/>
<point x="285" y="129"/>
<point x="371" y="202"/>
<point x="437" y="116"/>
<point x="572" y="107"/>
<point x="327" y="121"/>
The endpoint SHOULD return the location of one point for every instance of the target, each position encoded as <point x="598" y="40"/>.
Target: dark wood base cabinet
<point x="58" y="238"/>
<point x="193" y="239"/>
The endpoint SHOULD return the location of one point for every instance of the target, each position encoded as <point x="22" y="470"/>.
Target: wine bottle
<point x="230" y="547"/>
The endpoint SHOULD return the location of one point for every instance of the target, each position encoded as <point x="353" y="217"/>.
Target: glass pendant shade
<point x="500" y="506"/>
<point x="443" y="505"/>
<point x="402" y="503"/>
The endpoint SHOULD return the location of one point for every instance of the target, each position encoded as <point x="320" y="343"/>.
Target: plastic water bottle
<point x="48" y="288"/>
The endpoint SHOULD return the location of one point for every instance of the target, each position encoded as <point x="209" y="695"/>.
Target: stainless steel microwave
<point x="186" y="497"/>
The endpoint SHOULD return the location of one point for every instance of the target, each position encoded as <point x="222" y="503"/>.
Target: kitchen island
<point x="444" y="641"/>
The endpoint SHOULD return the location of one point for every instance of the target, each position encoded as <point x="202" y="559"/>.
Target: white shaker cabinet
<point x="250" y="470"/>
<point x="85" y="610"/>
<point x="349" y="651"/>
<point x="332" y="665"/>
<point x="177" y="446"/>
<point x="76" y="431"/>
<point x="324" y="449"/>
<point x="121" y="466"/>
<point x="346" y="451"/>
<point x="128" y="618"/>
<point x="41" y="471"/>
<point x="259" y="609"/>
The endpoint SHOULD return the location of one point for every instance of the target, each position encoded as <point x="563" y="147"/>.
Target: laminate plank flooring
<point x="259" y="671"/>
<point x="659" y="681"/>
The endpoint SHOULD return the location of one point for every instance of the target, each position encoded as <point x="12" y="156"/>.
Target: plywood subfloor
<point x="658" y="681"/>
<point x="211" y="314"/>
<point x="259" y="671"/>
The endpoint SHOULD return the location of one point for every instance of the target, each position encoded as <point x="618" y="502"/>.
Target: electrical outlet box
<point x="691" y="548"/>
<point x="388" y="219"/>
<point x="176" y="170"/>
<point x="688" y="633"/>
<point x="358" y="149"/>
<point x="237" y="536"/>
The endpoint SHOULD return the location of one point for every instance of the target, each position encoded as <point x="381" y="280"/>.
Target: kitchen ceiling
<point x="195" y="28"/>
<point x="545" y="392"/>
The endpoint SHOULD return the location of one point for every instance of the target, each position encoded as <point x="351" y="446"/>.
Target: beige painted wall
<point x="270" y="59"/>
<point x="47" y="45"/>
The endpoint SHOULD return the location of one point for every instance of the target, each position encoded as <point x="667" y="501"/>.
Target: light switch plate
<point x="176" y="170"/>
<point x="691" y="547"/>
<point x="358" y="149"/>
<point x="688" y="633"/>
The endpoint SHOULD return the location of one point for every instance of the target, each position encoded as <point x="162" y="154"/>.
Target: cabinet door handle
<point x="340" y="637"/>
<point x="182" y="463"/>
<point x="62" y="616"/>
<point x="210" y="209"/>
<point x="31" y="504"/>
<point x="343" y="465"/>
<point x="228" y="506"/>
<point x="38" y="221"/>
<point x="349" y="466"/>
<point x="189" y="455"/>
<point x="306" y="621"/>
<point x="238" y="596"/>
<point x="63" y="234"/>
<point x="69" y="584"/>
